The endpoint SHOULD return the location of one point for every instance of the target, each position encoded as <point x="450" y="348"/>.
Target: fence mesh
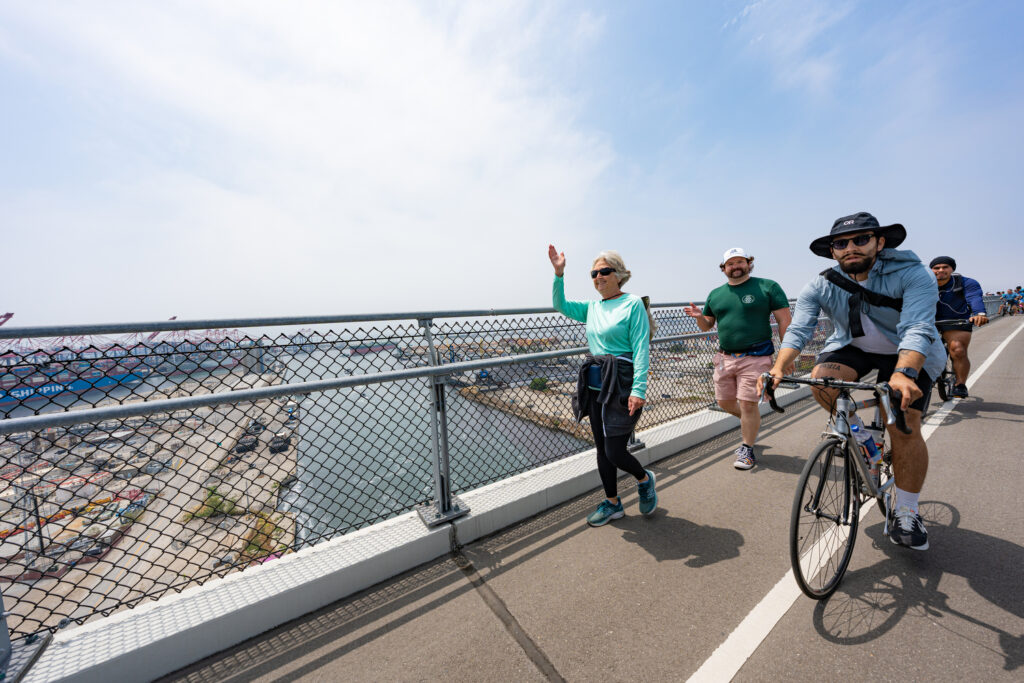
<point x="99" y="516"/>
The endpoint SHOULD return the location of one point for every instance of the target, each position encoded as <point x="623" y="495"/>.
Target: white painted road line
<point x="988" y="361"/>
<point x="729" y="657"/>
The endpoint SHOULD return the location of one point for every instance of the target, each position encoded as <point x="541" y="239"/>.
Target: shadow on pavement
<point x="979" y="408"/>
<point x="669" y="538"/>
<point x="871" y="601"/>
<point x="776" y="462"/>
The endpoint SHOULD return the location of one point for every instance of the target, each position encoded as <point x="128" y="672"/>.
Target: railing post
<point x="445" y="506"/>
<point x="5" y="640"/>
<point x="15" y="660"/>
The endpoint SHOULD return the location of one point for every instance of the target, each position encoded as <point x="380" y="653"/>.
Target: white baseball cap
<point x="733" y="253"/>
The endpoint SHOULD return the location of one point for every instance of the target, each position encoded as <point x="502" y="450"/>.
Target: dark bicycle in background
<point x="947" y="378"/>
<point x="834" y="483"/>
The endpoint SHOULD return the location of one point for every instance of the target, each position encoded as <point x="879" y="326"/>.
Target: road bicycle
<point x="835" y="482"/>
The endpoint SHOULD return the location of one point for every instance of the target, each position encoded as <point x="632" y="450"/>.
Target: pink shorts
<point x="737" y="377"/>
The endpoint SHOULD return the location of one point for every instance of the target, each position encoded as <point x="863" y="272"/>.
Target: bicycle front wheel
<point x="943" y="385"/>
<point x="823" y="525"/>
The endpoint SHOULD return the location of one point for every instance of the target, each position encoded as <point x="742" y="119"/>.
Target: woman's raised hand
<point x="557" y="260"/>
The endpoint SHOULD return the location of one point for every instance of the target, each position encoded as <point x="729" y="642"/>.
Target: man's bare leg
<point x="958" y="341"/>
<point x="909" y="454"/>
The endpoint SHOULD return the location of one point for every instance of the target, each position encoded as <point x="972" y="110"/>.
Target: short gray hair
<point x="614" y="259"/>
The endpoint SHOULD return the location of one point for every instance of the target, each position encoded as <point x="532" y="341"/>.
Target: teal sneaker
<point x="605" y="513"/>
<point x="648" y="496"/>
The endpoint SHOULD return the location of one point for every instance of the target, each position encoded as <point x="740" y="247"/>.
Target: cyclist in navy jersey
<point x="960" y="300"/>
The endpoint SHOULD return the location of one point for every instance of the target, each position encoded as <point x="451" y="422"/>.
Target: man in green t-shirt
<point x="741" y="308"/>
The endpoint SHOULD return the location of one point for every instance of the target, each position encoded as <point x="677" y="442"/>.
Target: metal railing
<point x="170" y="458"/>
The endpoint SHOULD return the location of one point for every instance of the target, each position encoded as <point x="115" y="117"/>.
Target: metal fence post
<point x="445" y="506"/>
<point x="5" y="640"/>
<point x="15" y="659"/>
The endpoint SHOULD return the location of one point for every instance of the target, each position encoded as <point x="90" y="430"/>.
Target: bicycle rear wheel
<point x="823" y="525"/>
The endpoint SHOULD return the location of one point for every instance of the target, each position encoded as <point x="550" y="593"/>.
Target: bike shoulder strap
<point x="858" y="295"/>
<point x="872" y="297"/>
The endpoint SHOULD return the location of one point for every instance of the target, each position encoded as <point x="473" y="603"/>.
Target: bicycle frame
<point x="839" y="421"/>
<point x="839" y="426"/>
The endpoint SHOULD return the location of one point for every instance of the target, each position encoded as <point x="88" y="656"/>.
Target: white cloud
<point x="331" y="147"/>
<point x="790" y="37"/>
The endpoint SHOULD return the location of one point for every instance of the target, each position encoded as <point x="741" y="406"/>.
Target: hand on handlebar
<point x="907" y="387"/>
<point x="776" y="374"/>
<point x="979" y="319"/>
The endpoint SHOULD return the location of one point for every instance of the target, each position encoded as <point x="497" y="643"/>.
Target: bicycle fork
<point x="813" y="505"/>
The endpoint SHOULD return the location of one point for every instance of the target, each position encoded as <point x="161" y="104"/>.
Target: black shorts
<point x="863" y="362"/>
<point x="958" y="325"/>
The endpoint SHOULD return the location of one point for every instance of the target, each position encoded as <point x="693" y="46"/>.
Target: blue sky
<point x="262" y="159"/>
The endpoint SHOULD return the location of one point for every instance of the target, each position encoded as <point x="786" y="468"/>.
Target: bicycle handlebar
<point x="890" y="398"/>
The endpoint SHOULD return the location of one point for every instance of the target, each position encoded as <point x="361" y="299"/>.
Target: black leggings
<point x="611" y="452"/>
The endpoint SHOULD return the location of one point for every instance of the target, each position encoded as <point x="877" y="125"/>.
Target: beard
<point x="857" y="267"/>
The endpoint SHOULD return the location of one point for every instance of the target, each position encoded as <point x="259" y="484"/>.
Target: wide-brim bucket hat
<point x="859" y="222"/>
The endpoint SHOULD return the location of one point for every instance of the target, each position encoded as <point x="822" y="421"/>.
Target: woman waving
<point x="612" y="383"/>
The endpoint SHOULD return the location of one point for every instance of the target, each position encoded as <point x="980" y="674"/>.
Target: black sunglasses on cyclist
<point x="859" y="240"/>
<point x="603" y="271"/>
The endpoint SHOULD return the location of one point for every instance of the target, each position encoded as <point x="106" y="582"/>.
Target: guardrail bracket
<point x="432" y="515"/>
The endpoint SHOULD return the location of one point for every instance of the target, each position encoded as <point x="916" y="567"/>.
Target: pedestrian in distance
<point x="960" y="308"/>
<point x="742" y="309"/>
<point x="881" y="302"/>
<point x="612" y="384"/>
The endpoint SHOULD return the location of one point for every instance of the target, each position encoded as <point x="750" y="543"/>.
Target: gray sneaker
<point x="744" y="458"/>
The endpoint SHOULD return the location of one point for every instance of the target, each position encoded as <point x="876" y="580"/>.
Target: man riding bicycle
<point x="1008" y="303"/>
<point x="960" y="308"/>
<point x="882" y="305"/>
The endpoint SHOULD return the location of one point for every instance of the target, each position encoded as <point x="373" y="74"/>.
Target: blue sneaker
<point x="648" y="496"/>
<point x="605" y="513"/>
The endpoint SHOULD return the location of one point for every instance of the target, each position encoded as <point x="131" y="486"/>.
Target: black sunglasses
<point x="603" y="271"/>
<point x="859" y="240"/>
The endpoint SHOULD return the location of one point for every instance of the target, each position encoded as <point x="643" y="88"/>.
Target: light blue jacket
<point x="896" y="274"/>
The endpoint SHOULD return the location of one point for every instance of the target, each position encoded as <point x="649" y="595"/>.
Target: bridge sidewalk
<point x="654" y="597"/>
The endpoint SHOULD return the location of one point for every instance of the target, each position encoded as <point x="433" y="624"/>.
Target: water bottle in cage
<point x="867" y="441"/>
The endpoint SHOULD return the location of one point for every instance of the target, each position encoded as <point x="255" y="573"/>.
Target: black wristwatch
<point x="909" y="372"/>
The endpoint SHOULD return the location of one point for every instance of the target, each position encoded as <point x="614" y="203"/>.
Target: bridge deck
<point x="654" y="598"/>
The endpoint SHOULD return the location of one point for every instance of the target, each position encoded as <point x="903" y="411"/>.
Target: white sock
<point x="906" y="498"/>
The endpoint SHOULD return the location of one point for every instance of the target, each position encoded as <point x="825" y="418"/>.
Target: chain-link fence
<point x="148" y="462"/>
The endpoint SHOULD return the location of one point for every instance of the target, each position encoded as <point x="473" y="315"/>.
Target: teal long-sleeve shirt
<point x="613" y="327"/>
